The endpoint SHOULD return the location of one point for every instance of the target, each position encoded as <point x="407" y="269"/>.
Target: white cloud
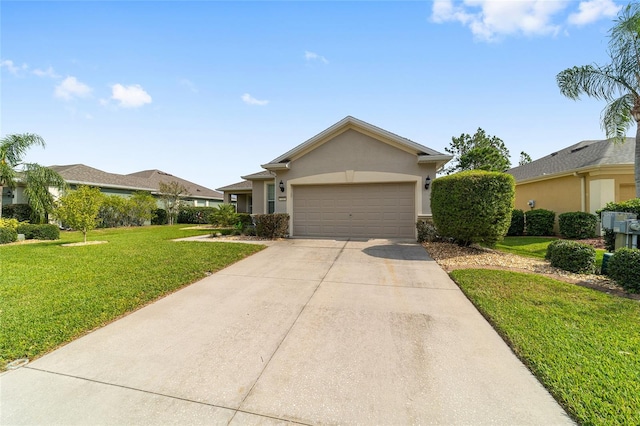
<point x="490" y="20"/>
<point x="250" y="100"/>
<point x="312" y="56"/>
<point x="13" y="68"/>
<point x="184" y="82"/>
<point x="593" y="10"/>
<point x="132" y="96"/>
<point x="71" y="88"/>
<point x="49" y="72"/>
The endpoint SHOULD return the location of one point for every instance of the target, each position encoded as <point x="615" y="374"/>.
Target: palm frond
<point x="13" y="147"/>
<point x="616" y="117"/>
<point x="38" y="180"/>
<point x="591" y="80"/>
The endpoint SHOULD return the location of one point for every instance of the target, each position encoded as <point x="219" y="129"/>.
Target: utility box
<point x="608" y="219"/>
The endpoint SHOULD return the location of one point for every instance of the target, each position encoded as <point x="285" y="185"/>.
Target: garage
<point x="377" y="210"/>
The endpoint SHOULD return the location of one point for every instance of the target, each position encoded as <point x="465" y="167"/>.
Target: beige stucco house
<point x="350" y="180"/>
<point x="583" y="177"/>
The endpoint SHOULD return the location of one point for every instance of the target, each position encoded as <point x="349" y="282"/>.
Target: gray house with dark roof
<point x="123" y="185"/>
<point x="353" y="179"/>
<point x="581" y="177"/>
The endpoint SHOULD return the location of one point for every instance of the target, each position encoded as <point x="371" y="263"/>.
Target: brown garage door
<point x="362" y="211"/>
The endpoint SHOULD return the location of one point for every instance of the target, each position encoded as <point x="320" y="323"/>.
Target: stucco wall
<point x="559" y="195"/>
<point x="353" y="157"/>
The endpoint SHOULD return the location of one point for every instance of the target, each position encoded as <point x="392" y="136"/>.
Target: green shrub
<point x="223" y="215"/>
<point x="572" y="256"/>
<point x="629" y="206"/>
<point x="9" y="223"/>
<point x="160" y="217"/>
<point x="473" y="206"/>
<point x="275" y="225"/>
<point x="245" y="221"/>
<point x="22" y="212"/>
<point x="609" y="238"/>
<point x="539" y="222"/>
<point x="195" y="215"/>
<point x="39" y="232"/>
<point x="426" y="231"/>
<point x="8" y="235"/>
<point x="577" y="225"/>
<point x="624" y="268"/>
<point x="517" y="223"/>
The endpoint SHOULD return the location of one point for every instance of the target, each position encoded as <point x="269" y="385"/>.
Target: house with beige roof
<point x="582" y="177"/>
<point x="123" y="185"/>
<point x="353" y="179"/>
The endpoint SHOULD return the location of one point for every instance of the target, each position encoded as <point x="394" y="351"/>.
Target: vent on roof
<point x="554" y="153"/>
<point x="164" y="173"/>
<point x="579" y="148"/>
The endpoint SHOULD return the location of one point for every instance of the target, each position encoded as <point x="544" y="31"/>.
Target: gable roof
<point x="147" y="180"/>
<point x="154" y="177"/>
<point x="262" y="175"/>
<point x="244" y="185"/>
<point x="583" y="155"/>
<point x="424" y="153"/>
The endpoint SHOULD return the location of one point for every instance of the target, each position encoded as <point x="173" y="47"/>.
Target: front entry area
<point x="377" y="210"/>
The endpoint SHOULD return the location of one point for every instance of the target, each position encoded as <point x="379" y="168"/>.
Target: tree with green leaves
<point x="171" y="194"/>
<point x="524" y="159"/>
<point x="477" y="152"/>
<point x="38" y="179"/>
<point x="617" y="83"/>
<point x="79" y="209"/>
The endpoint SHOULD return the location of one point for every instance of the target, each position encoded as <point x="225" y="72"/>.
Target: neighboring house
<point x="351" y="180"/>
<point x="583" y="177"/>
<point x="123" y="185"/>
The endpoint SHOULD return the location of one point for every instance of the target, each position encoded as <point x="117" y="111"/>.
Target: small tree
<point x="79" y="209"/>
<point x="171" y="194"/>
<point x="478" y="152"/>
<point x="141" y="207"/>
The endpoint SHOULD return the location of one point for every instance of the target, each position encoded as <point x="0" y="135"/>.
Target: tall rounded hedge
<point x="473" y="206"/>
<point x="539" y="222"/>
<point x="577" y="225"/>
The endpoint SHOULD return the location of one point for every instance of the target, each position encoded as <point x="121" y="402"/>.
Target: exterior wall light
<point x="427" y="183"/>
<point x="281" y="186"/>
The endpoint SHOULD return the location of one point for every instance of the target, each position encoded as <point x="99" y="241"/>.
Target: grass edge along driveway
<point x="50" y="294"/>
<point x="583" y="345"/>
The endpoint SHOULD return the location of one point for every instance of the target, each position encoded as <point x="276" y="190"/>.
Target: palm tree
<point x="37" y="178"/>
<point x="617" y="83"/>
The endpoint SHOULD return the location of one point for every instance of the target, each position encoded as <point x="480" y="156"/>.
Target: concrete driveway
<point x="306" y="331"/>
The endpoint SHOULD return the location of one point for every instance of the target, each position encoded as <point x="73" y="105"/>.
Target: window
<point x="271" y="198"/>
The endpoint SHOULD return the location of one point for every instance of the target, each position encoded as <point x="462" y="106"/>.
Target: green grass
<point x="51" y="294"/>
<point x="534" y="247"/>
<point x="583" y="345"/>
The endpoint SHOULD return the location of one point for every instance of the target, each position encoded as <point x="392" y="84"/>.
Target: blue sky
<point x="210" y="90"/>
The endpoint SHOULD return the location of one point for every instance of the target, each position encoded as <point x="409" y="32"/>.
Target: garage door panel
<point x="362" y="210"/>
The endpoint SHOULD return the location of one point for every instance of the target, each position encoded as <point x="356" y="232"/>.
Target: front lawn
<point x="534" y="247"/>
<point x="583" y="345"/>
<point x="50" y="295"/>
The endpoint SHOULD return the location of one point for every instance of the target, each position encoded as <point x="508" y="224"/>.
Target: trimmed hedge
<point x="517" y="223"/>
<point x="572" y="256"/>
<point x="473" y="206"/>
<point x="426" y="231"/>
<point x="160" y="217"/>
<point x="195" y="215"/>
<point x="275" y="225"/>
<point x="39" y="232"/>
<point x="22" y="212"/>
<point x="577" y="225"/>
<point x="8" y="235"/>
<point x="624" y="268"/>
<point x="539" y="222"/>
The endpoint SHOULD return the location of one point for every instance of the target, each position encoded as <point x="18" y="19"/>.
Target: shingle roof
<point x="265" y="174"/>
<point x="147" y="180"/>
<point x="154" y="177"/>
<point x="244" y="185"/>
<point x="585" y="154"/>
